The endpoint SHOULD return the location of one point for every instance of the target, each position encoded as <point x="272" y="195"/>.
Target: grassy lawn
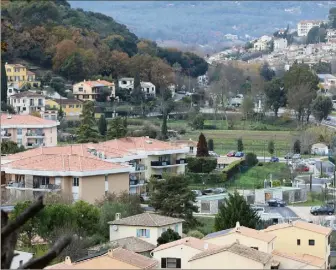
<point x="312" y="200"/>
<point x="254" y="177"/>
<point x="207" y="226"/>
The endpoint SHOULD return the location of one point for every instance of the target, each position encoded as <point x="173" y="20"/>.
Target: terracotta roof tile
<point x="65" y="101"/>
<point x="97" y="83"/>
<point x="27" y="94"/>
<point x="17" y="119"/>
<point x="146" y="219"/>
<point x="188" y="241"/>
<point x="305" y="258"/>
<point x="302" y="225"/>
<point x="238" y="249"/>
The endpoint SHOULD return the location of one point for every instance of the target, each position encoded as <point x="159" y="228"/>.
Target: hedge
<point x="230" y="170"/>
<point x="201" y="164"/>
<point x="207" y="178"/>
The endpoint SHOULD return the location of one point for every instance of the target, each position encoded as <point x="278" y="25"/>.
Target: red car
<point x="231" y="154"/>
<point x="302" y="169"/>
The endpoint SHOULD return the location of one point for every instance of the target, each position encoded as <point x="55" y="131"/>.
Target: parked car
<point x="219" y="190"/>
<point x="231" y="154"/>
<point x="302" y="168"/>
<point x="213" y="154"/>
<point x="197" y="192"/>
<point x="144" y="198"/>
<point x="276" y="203"/>
<point x="239" y="154"/>
<point x="288" y="156"/>
<point x="328" y="118"/>
<point x="311" y="161"/>
<point x="274" y="159"/>
<point x="296" y="156"/>
<point x="322" y="210"/>
<point x="208" y="191"/>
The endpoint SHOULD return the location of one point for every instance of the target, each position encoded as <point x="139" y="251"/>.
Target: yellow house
<point x="18" y="75"/>
<point x="90" y="90"/>
<point x="70" y="107"/>
<point x="301" y="237"/>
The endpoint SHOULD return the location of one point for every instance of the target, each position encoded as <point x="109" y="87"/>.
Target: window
<point x="19" y="131"/>
<point x="80" y="89"/>
<point x="77" y="106"/>
<point x="298" y="242"/>
<point x="75" y="182"/>
<point x="21" y="262"/>
<point x="329" y="239"/>
<point x="205" y="207"/>
<point x="19" y="141"/>
<point x="71" y="106"/>
<point x="311" y="242"/>
<point x="143" y="233"/>
<point x="176" y="227"/>
<point x="256" y="248"/>
<point x="8" y="70"/>
<point x="170" y="263"/>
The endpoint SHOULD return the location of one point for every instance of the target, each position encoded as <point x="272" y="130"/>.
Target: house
<point x="75" y="176"/>
<point x="255" y="239"/>
<point x="302" y="238"/>
<point x="224" y="161"/>
<point x="327" y="81"/>
<point x="18" y="76"/>
<point x="304" y="27"/>
<point x="148" y="89"/>
<point x="209" y="204"/>
<point x="177" y="254"/>
<point x="91" y="90"/>
<point x="146" y="226"/>
<point x="232" y="256"/>
<point x="20" y="259"/>
<point x="192" y="145"/>
<point x="260" y="45"/>
<point x="287" y="194"/>
<point x="118" y="258"/>
<point x="298" y="261"/>
<point x="320" y="149"/>
<point x="72" y="108"/>
<point x="28" y="131"/>
<point x="280" y="44"/>
<point x="131" y="243"/>
<point x="126" y="83"/>
<point x="331" y="34"/>
<point x="27" y="103"/>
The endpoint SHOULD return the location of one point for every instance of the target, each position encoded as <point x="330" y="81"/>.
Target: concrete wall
<point x="118" y="183"/>
<point x="91" y="188"/>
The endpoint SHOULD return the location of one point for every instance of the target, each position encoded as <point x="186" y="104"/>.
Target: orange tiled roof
<point x="94" y="83"/>
<point x="302" y="225"/>
<point x="305" y="258"/>
<point x="26" y="94"/>
<point x="17" y="119"/>
<point x="30" y="72"/>
<point x="188" y="241"/>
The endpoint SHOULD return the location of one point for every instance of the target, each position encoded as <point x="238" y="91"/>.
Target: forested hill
<point x="79" y="44"/>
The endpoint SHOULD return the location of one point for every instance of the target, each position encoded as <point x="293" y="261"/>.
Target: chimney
<point x="67" y="260"/>
<point x="110" y="252"/>
<point x="206" y="246"/>
<point x="237" y="226"/>
<point x="9" y="116"/>
<point x="6" y="63"/>
<point x="117" y="216"/>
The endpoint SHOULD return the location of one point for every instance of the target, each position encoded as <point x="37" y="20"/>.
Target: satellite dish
<point x="115" y="227"/>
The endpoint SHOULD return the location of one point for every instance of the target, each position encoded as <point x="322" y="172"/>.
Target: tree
<point x="197" y="122"/>
<point x="275" y="95"/>
<point x="266" y="72"/>
<point x="202" y="147"/>
<point x="322" y="107"/>
<point x="166" y="106"/>
<point x="201" y="164"/>
<point x="211" y="145"/>
<point x="86" y="218"/>
<point x="173" y="198"/>
<point x="86" y="133"/>
<point x="3" y="82"/>
<point x="251" y="159"/>
<point x="316" y="35"/>
<point x="297" y="147"/>
<point x="63" y="50"/>
<point x="240" y="145"/>
<point x="247" y="106"/>
<point x="196" y="234"/>
<point x="167" y="237"/>
<point x="60" y="113"/>
<point x="10" y="147"/>
<point x="271" y="147"/>
<point x="87" y="116"/>
<point x="73" y="67"/>
<point x="118" y="128"/>
<point x="322" y="67"/>
<point x="236" y="209"/>
<point x="102" y="125"/>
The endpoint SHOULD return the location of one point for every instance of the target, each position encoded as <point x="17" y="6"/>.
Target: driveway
<point x="304" y="213"/>
<point x="285" y="212"/>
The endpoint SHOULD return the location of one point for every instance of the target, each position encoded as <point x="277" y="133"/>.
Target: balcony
<point x="137" y="183"/>
<point x="34" y="145"/>
<point x="181" y="161"/>
<point x="6" y="135"/>
<point x="35" y="134"/>
<point x="168" y="164"/>
<point x="36" y="186"/>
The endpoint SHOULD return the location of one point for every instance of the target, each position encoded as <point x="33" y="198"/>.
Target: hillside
<point x="206" y="22"/>
<point x="80" y="44"/>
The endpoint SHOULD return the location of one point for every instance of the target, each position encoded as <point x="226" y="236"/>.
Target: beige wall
<point x="286" y="241"/>
<point x="91" y="188"/>
<point x="286" y="263"/>
<point x="243" y="240"/>
<point x="118" y="182"/>
<point x="226" y="260"/>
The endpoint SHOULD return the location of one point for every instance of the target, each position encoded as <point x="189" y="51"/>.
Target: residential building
<point x="91" y="90"/>
<point x="177" y="254"/>
<point x="302" y="238"/>
<point x="146" y="226"/>
<point x="320" y="149"/>
<point x="72" y="108"/>
<point x="118" y="258"/>
<point x="148" y="89"/>
<point x="233" y="256"/>
<point x="75" y="176"/>
<point x="29" y="131"/>
<point x="298" y="261"/>
<point x="255" y="239"/>
<point x="18" y="76"/>
<point x="126" y="83"/>
<point x="304" y="27"/>
<point x="327" y="81"/>
<point x="27" y="102"/>
<point x="20" y="259"/>
<point x="280" y="44"/>
<point x="331" y="35"/>
<point x="288" y="194"/>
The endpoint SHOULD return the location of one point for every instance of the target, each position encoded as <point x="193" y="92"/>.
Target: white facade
<point x="20" y="259"/>
<point x="260" y="45"/>
<point x="280" y="44"/>
<point x="304" y="27"/>
<point x="27" y="103"/>
<point x="319" y="149"/>
<point x="148" y="89"/>
<point x="265" y="39"/>
<point x="126" y="83"/>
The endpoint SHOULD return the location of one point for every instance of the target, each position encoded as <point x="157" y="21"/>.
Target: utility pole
<point x="264" y="151"/>
<point x="310" y="182"/>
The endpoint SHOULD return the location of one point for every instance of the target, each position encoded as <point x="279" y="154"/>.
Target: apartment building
<point x="304" y="27"/>
<point x="280" y="44"/>
<point x="118" y="258"/>
<point x="72" y="108"/>
<point x="28" y="130"/>
<point x="75" y="176"/>
<point x="27" y="102"/>
<point x="91" y="90"/>
<point x="327" y="81"/>
<point x="126" y="83"/>
<point x="18" y="76"/>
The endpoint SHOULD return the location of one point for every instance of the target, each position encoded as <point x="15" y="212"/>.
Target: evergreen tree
<point x="236" y="209"/>
<point x="202" y="147"/>
<point x="167" y="237"/>
<point x="271" y="147"/>
<point x="240" y="145"/>
<point x="10" y="147"/>
<point x="102" y="125"/>
<point x="3" y="83"/>
<point x="173" y="198"/>
<point x="86" y="133"/>
<point x="210" y="144"/>
<point x="60" y="113"/>
<point x="87" y="116"/>
<point x="137" y="82"/>
<point x="118" y="128"/>
<point x="164" y="128"/>
<point x="322" y="107"/>
<point x="297" y="147"/>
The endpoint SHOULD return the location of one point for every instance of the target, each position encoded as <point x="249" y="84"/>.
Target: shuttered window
<point x="170" y="263"/>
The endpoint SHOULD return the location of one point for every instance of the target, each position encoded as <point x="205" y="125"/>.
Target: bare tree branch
<point x="43" y="261"/>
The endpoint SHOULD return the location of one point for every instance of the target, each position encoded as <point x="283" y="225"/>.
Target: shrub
<point x="196" y="234"/>
<point x="232" y="169"/>
<point x="276" y="183"/>
<point x="251" y="159"/>
<point x="199" y="178"/>
<point x="201" y="164"/>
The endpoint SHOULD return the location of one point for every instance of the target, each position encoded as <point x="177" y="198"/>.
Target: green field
<point x="207" y="226"/>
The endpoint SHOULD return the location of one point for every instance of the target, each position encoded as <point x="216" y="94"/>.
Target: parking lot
<point x="285" y="212"/>
<point x="304" y="213"/>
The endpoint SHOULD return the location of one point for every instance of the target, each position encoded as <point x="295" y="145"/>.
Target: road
<point x="267" y="159"/>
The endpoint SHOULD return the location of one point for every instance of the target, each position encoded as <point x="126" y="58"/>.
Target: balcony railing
<point x="181" y="161"/>
<point x="137" y="182"/>
<point x="34" y="186"/>
<point x="7" y="135"/>
<point x="160" y="163"/>
<point x="35" y="134"/>
<point x="168" y="163"/>
<point x="140" y="167"/>
<point x="34" y="144"/>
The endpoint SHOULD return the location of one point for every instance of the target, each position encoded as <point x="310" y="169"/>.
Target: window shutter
<point x="176" y="227"/>
<point x="138" y="232"/>
<point x="147" y="233"/>
<point x="178" y="263"/>
<point x="163" y="263"/>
